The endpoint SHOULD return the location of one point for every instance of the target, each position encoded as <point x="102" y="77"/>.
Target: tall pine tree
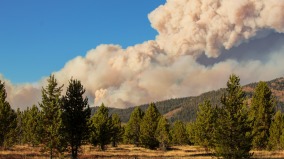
<point x="75" y="116"/>
<point x="275" y="132"/>
<point x="8" y="120"/>
<point x="179" y="133"/>
<point x="101" y="128"/>
<point x="32" y="126"/>
<point x="19" y="128"/>
<point x="148" y="127"/>
<point x="232" y="135"/>
<point x="132" y="129"/>
<point x="163" y="133"/>
<point x="204" y="125"/>
<point x="53" y="138"/>
<point x="117" y="130"/>
<point x="262" y="111"/>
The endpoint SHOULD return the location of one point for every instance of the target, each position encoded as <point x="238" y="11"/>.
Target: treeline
<point x="238" y="125"/>
<point x="59" y="124"/>
<point x="187" y="107"/>
<point x="63" y="123"/>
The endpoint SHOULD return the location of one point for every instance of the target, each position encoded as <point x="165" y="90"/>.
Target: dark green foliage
<point x="275" y="132"/>
<point x="204" y="125"/>
<point x="8" y="120"/>
<point x="148" y="127"/>
<point x="52" y="136"/>
<point x="190" y="129"/>
<point x="132" y="129"/>
<point x="32" y="126"/>
<point x="276" y="85"/>
<point x="101" y="128"/>
<point x="163" y="133"/>
<point x="19" y="128"/>
<point x="117" y="130"/>
<point x="232" y="135"/>
<point x="179" y="133"/>
<point x="75" y="116"/>
<point x="282" y="139"/>
<point x="262" y="111"/>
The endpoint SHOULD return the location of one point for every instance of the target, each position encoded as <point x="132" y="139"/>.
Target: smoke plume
<point x="199" y="44"/>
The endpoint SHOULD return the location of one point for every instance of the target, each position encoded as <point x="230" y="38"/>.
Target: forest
<point x="228" y="123"/>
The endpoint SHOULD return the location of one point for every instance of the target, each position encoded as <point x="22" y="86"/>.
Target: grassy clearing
<point x="127" y="152"/>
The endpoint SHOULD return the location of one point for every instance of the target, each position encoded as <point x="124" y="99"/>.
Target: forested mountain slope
<point x="185" y="109"/>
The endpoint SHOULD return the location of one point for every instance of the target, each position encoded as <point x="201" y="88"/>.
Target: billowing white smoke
<point x="197" y="26"/>
<point x="168" y="67"/>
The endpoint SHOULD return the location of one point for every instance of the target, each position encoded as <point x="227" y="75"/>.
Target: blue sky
<point x="38" y="37"/>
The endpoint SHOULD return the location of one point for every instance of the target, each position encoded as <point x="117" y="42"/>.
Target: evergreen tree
<point x="8" y="120"/>
<point x="117" y="130"/>
<point x="101" y="128"/>
<point x="163" y="133"/>
<point x="19" y="128"/>
<point x="32" y="126"/>
<point x="282" y="139"/>
<point x="190" y="129"/>
<point x="179" y="133"/>
<point x="132" y="129"/>
<point x="204" y="125"/>
<point x="275" y="131"/>
<point x="262" y="111"/>
<point x="53" y="138"/>
<point x="148" y="127"/>
<point x="75" y="116"/>
<point x="232" y="135"/>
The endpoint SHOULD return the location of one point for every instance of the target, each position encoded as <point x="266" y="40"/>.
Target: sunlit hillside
<point x="185" y="109"/>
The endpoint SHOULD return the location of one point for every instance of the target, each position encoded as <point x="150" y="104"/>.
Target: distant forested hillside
<point x="185" y="109"/>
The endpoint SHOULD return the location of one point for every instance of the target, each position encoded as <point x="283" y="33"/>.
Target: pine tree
<point x="8" y="120"/>
<point x="32" y="126"/>
<point x="191" y="131"/>
<point x="262" y="111"/>
<point x="19" y="128"/>
<point x="204" y="125"/>
<point x="163" y="133"/>
<point x="232" y="135"/>
<point x="101" y="128"/>
<point x="179" y="133"/>
<point x="132" y="129"/>
<point x="75" y="116"/>
<point x="51" y="117"/>
<point x="275" y="131"/>
<point x="282" y="139"/>
<point x="117" y="130"/>
<point x="148" y="127"/>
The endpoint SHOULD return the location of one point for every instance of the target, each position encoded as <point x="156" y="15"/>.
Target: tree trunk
<point x="113" y="144"/>
<point x="51" y="152"/>
<point x="74" y="152"/>
<point x="102" y="147"/>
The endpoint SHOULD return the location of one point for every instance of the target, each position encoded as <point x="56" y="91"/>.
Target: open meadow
<point x="127" y="152"/>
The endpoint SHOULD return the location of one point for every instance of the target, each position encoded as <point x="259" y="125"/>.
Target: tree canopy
<point x="75" y="116"/>
<point x="148" y="127"/>
<point x="232" y="135"/>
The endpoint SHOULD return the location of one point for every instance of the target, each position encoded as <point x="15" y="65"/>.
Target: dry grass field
<point x="127" y="152"/>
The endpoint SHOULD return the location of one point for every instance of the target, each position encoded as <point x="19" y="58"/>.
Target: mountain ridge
<point x="185" y="108"/>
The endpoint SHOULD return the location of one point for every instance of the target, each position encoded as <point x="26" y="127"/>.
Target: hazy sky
<point x="38" y="37"/>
